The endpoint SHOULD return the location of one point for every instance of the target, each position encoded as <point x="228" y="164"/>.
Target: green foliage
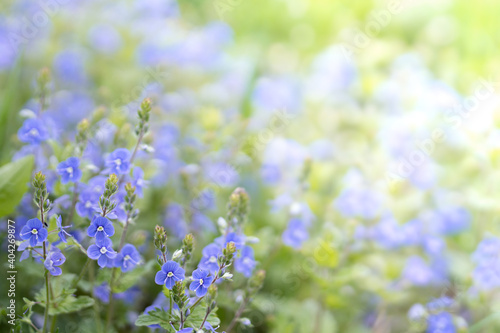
<point x="157" y="317"/>
<point x="195" y="319"/>
<point x="14" y="180"/>
<point x="62" y="297"/>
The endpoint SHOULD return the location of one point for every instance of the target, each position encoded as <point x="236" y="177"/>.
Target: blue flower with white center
<point x="245" y="263"/>
<point x="69" y="170"/>
<point x="210" y="253"/>
<point x="139" y="181"/>
<point x="53" y="261"/>
<point x="102" y="252"/>
<point x="170" y="273"/>
<point x="100" y="228"/>
<point x="62" y="233"/>
<point x="440" y="323"/>
<point x="417" y="312"/>
<point x="295" y="234"/>
<point x="201" y="282"/>
<point x="33" y="131"/>
<point x="118" y="161"/>
<point x="128" y="258"/>
<point x="34" y="232"/>
<point x="88" y="204"/>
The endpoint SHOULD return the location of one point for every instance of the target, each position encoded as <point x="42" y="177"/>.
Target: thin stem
<point x="47" y="289"/>
<point x="171" y="303"/>
<point x="75" y="282"/>
<point x="206" y="316"/>
<point x="53" y="325"/>
<point x="238" y="314"/>
<point x="97" y="313"/>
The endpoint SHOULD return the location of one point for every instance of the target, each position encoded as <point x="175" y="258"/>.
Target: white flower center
<point x="33" y="132"/>
<point x="118" y="162"/>
<point x="100" y="228"/>
<point x="88" y="204"/>
<point x="69" y="170"/>
<point x="127" y="257"/>
<point x="201" y="282"/>
<point x="103" y="250"/>
<point x="212" y="259"/>
<point x="170" y="274"/>
<point x="34" y="231"/>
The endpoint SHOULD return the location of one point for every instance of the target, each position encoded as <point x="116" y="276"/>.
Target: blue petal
<point x="93" y="252"/>
<point x="160" y="277"/>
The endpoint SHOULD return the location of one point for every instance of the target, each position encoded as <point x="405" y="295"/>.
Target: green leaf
<point x="14" y="179"/>
<point x="156" y="317"/>
<point x="63" y="300"/>
<point x="195" y="319"/>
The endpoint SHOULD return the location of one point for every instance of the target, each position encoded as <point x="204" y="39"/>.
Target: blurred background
<point x="365" y="132"/>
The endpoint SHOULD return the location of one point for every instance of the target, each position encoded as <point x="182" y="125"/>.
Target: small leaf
<point x="14" y="179"/>
<point x="195" y="319"/>
<point x="156" y="317"/>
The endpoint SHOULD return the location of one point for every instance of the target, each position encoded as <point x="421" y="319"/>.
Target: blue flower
<point x="417" y="312"/>
<point x="34" y="231"/>
<point x="62" y="233"/>
<point x="139" y="181"/>
<point x="88" y="204"/>
<point x="54" y="259"/>
<point x="201" y="282"/>
<point x="33" y="131"/>
<point x="440" y="323"/>
<point x="100" y="228"/>
<point x="102" y="252"/>
<point x="69" y="170"/>
<point x="170" y="273"/>
<point x="27" y="250"/>
<point x="102" y="292"/>
<point x="210" y="253"/>
<point x="354" y="202"/>
<point x="295" y="234"/>
<point x="245" y="263"/>
<point x="118" y="161"/>
<point x="128" y="258"/>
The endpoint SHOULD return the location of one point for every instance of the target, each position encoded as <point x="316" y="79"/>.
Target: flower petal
<point x="160" y="277"/>
<point x="93" y="252"/>
<point x="102" y="261"/>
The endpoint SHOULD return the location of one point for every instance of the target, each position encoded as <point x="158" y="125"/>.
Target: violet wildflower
<point x="139" y="181"/>
<point x="201" y="282"/>
<point x="33" y="131"/>
<point x="118" y="161"/>
<point x="69" y="170"/>
<point x="440" y="323"/>
<point x="53" y="261"/>
<point x="34" y="232"/>
<point x="88" y="204"/>
<point x="100" y="228"/>
<point x="245" y="263"/>
<point x="62" y="233"/>
<point x="295" y="234"/>
<point x="128" y="258"/>
<point x="170" y="273"/>
<point x="209" y="262"/>
<point x="102" y="252"/>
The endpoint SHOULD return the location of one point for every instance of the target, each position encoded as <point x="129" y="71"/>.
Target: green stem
<point x="171" y="303"/>
<point x="238" y="314"/>
<point x="75" y="282"/>
<point x="53" y="325"/>
<point x="97" y="313"/>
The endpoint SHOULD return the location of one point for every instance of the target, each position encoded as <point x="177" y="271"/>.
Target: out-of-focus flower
<point x="440" y="323"/>
<point x="33" y="131"/>
<point x="69" y="170"/>
<point x="61" y="232"/>
<point x="245" y="263"/>
<point x="127" y="258"/>
<point x="118" y="161"/>
<point x="295" y="234"/>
